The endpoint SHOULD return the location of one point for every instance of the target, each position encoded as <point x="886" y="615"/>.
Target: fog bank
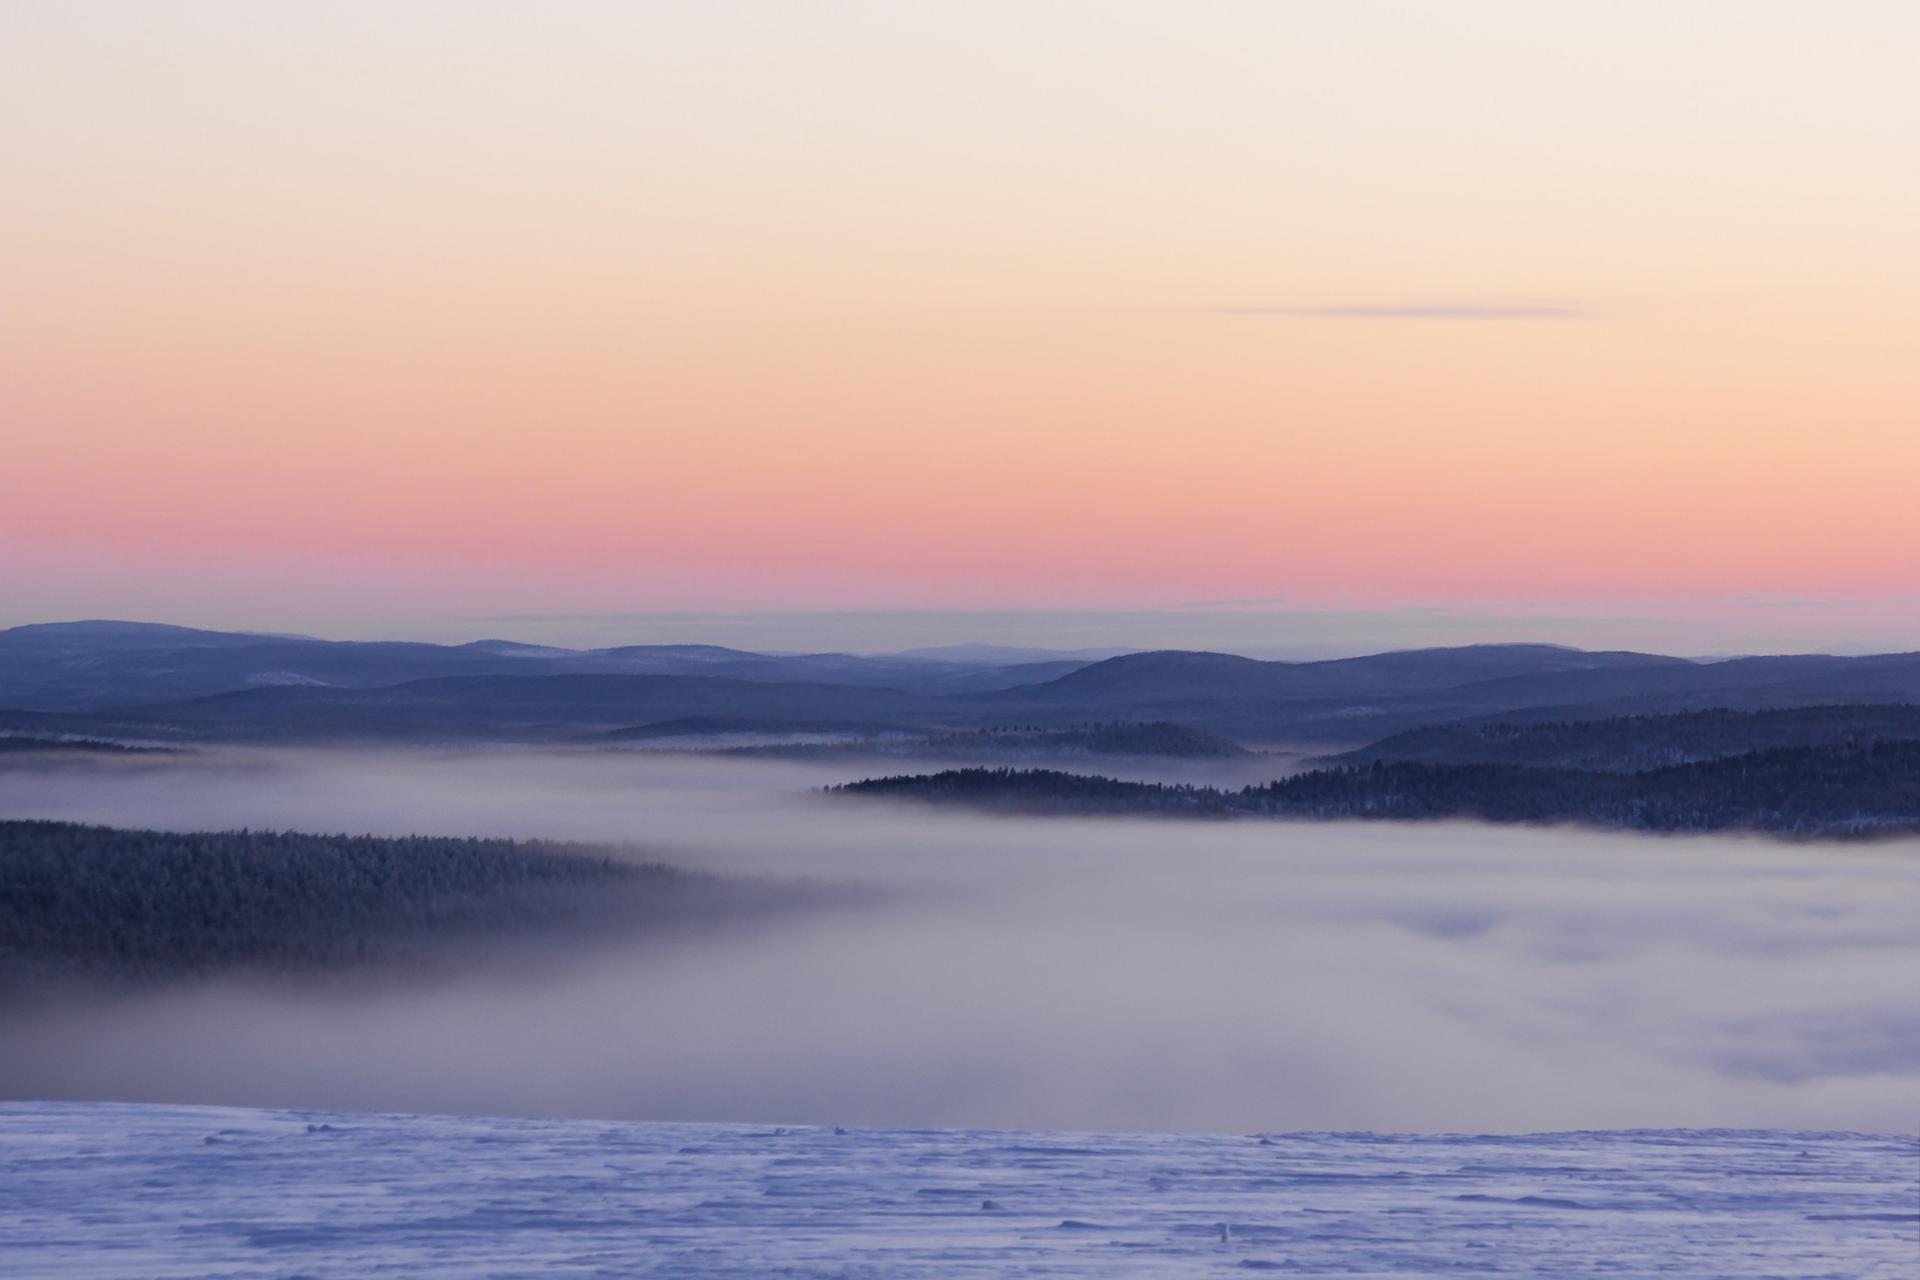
<point x="1050" y="973"/>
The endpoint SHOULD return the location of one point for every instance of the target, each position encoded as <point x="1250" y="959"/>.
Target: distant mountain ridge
<point x="98" y="665"/>
<point x="1628" y="744"/>
<point x="139" y="681"/>
<point x="1185" y="673"/>
<point x="1351" y="700"/>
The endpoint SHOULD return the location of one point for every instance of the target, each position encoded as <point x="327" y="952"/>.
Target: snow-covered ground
<point x="108" y="1190"/>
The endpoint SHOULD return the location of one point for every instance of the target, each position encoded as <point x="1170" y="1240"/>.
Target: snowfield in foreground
<point x="169" y="1191"/>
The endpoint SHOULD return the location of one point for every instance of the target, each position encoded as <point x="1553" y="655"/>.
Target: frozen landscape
<point x="1050" y="989"/>
<point x="103" y="1190"/>
<point x="878" y="641"/>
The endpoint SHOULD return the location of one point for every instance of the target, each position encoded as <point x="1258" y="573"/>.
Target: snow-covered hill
<point x="100" y="1190"/>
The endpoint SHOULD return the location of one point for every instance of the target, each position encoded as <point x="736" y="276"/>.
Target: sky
<point x="452" y="319"/>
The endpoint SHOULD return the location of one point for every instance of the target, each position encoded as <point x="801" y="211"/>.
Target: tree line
<point x="1840" y="789"/>
<point x="98" y="902"/>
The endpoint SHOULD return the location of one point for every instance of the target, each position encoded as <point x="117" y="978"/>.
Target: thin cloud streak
<point x="1419" y="311"/>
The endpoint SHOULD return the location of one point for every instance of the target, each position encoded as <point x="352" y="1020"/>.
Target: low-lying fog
<point x="1054" y="973"/>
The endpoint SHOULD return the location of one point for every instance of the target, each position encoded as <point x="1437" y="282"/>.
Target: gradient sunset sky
<point x="452" y="319"/>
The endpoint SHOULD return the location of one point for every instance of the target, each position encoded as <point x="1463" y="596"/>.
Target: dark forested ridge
<point x="1852" y="789"/>
<point x="106" y="903"/>
<point x="21" y="745"/>
<point x="1630" y="744"/>
<point x="1048" y="791"/>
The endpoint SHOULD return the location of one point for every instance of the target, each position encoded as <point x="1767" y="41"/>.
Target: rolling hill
<point x="133" y="681"/>
<point x="1626" y="744"/>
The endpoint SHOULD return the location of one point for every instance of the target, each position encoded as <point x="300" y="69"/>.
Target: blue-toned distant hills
<point x="139" y="681"/>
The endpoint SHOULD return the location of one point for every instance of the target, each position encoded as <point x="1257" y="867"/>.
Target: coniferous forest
<point x="1840" y="790"/>
<point x="101" y="903"/>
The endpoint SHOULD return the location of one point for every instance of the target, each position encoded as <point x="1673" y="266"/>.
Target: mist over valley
<point x="965" y="969"/>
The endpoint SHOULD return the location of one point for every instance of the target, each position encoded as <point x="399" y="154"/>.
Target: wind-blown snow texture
<point x="98" y="1190"/>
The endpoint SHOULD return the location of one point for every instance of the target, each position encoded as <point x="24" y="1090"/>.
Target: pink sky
<point x="432" y="312"/>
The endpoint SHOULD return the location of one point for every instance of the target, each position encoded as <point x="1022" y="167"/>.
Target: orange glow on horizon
<point x="1004" y="308"/>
